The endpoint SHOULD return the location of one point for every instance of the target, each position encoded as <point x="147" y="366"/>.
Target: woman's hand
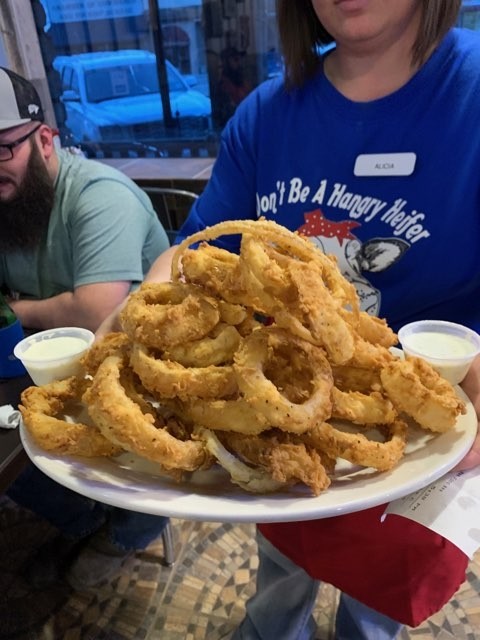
<point x="111" y="322"/>
<point x="159" y="272"/>
<point x="471" y="386"/>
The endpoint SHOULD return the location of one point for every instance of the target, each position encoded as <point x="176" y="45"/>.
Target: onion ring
<point x="197" y="369"/>
<point x="369" y="356"/>
<point x="321" y="313"/>
<point x="418" y="390"/>
<point x="357" y="448"/>
<point x="43" y="411"/>
<point x="286" y="462"/>
<point x="375" y="330"/>
<point x="169" y="379"/>
<point x="122" y="422"/>
<point x="214" y="269"/>
<point x="253" y="480"/>
<point x="264" y="280"/>
<point x="262" y="394"/>
<point x="162" y="315"/>
<point x="114" y="343"/>
<point x="349" y="378"/>
<point x="220" y="415"/>
<point x="291" y="243"/>
<point x="230" y="313"/>
<point x="218" y="347"/>
<point x="362" y="408"/>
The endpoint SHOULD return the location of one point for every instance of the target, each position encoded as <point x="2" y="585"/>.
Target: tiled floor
<point x="201" y="597"/>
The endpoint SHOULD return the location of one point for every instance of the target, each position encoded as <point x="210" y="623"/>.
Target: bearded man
<point x="76" y="236"/>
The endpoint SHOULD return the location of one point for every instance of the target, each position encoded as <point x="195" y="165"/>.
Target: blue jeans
<point x="77" y="517"/>
<point x="282" y="607"/>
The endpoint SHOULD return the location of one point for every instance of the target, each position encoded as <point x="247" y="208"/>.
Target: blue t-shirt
<point x="410" y="243"/>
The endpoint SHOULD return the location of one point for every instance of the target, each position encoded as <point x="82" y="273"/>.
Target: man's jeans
<point x="77" y="517"/>
<point x="282" y="607"/>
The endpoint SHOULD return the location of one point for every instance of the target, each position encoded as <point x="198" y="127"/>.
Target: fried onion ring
<point x="286" y="462"/>
<point x="369" y="356"/>
<point x="290" y="243"/>
<point x="362" y="408"/>
<point x="261" y="393"/>
<point x="198" y="375"/>
<point x="220" y="415"/>
<point x="375" y="330"/>
<point x="231" y="313"/>
<point x="169" y="379"/>
<point x="348" y="378"/>
<point x="252" y="480"/>
<point x="122" y="422"/>
<point x="321" y="314"/>
<point x="115" y="343"/>
<point x="216" y="348"/>
<point x="43" y="411"/>
<point x="215" y="269"/>
<point x="162" y="315"/>
<point x="264" y="280"/>
<point x="419" y="391"/>
<point x="358" y="448"/>
<point x="209" y="266"/>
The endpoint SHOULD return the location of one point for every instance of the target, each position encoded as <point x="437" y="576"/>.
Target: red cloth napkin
<point x="398" y="567"/>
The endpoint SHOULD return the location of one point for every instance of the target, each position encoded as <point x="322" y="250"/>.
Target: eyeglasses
<point x="6" y="150"/>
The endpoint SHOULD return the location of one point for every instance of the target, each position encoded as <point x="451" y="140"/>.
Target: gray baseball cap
<point x="19" y="100"/>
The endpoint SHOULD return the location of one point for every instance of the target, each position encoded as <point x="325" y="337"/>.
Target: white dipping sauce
<point x="450" y="355"/>
<point x="439" y="345"/>
<point x="53" y="359"/>
<point x="54" y="348"/>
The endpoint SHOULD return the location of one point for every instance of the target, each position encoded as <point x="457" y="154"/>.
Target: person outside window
<point x="233" y="86"/>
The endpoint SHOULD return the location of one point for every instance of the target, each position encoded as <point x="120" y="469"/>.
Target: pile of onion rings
<point x="261" y="361"/>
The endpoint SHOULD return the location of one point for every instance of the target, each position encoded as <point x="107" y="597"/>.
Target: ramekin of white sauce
<point x="449" y="347"/>
<point x="54" y="354"/>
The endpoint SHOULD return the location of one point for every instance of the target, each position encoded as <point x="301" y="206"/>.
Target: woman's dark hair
<point x="302" y="34"/>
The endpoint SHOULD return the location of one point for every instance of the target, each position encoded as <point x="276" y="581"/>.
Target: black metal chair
<point x="172" y="206"/>
<point x="168" y="545"/>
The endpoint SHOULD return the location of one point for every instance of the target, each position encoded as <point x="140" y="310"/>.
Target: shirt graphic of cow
<point x="354" y="257"/>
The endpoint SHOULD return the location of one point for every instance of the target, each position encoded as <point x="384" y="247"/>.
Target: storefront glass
<point x="153" y="78"/>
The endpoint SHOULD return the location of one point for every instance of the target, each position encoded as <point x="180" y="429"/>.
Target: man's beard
<point x="24" y="219"/>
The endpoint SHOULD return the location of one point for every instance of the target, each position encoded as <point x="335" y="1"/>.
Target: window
<point x="470" y="15"/>
<point x="135" y="77"/>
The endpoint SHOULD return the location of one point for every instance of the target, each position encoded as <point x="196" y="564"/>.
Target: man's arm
<point x="110" y="234"/>
<point x="86" y="307"/>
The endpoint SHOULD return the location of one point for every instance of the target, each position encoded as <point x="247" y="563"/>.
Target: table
<point x="12" y="456"/>
<point x="163" y="168"/>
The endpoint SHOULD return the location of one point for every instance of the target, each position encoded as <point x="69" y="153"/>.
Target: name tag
<point x="385" y="164"/>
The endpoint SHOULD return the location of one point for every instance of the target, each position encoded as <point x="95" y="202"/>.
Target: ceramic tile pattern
<point x="201" y="597"/>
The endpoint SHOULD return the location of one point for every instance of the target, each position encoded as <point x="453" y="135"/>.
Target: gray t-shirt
<point x="102" y="228"/>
